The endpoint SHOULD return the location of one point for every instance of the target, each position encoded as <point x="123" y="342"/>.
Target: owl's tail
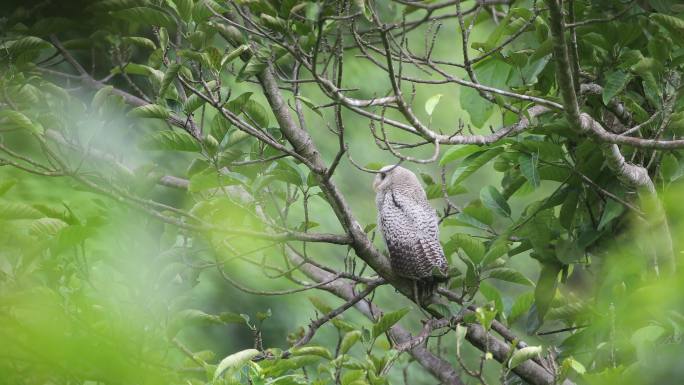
<point x="426" y="287"/>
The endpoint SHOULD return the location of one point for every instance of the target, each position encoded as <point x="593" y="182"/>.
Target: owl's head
<point x="394" y="176"/>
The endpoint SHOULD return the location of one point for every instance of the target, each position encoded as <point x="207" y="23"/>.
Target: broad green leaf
<point x="492" y="294"/>
<point x="495" y="250"/>
<point x="492" y="198"/>
<point x="615" y="83"/>
<point x="470" y="245"/>
<point x="529" y="168"/>
<point x="521" y="305"/>
<point x="237" y="104"/>
<point x="492" y="72"/>
<point x="478" y="211"/>
<point x="47" y="226"/>
<point x="673" y="24"/>
<point x="612" y="210"/>
<point x="139" y="41"/>
<point x="320" y="305"/>
<point x="546" y="288"/>
<point x="26" y="43"/>
<point x="461" y="332"/>
<point x="485" y="316"/>
<point x="473" y="163"/>
<point x="169" y="77"/>
<point x="309" y="103"/>
<point x="219" y="127"/>
<point x="184" y="8"/>
<point x="20" y="121"/>
<point x="571" y="363"/>
<point x="567" y="211"/>
<point x="153" y="111"/>
<point x="319" y="351"/>
<point x="458" y="152"/>
<point x="509" y="275"/>
<point x="387" y="320"/>
<point x="349" y="340"/>
<point x="524" y="354"/>
<point x="170" y="140"/>
<point x="192" y="104"/>
<point x="669" y="167"/>
<point x="256" y="112"/>
<point x="232" y="55"/>
<point x="18" y="210"/>
<point x="431" y="103"/>
<point x="6" y="185"/>
<point x="234" y="361"/>
<point x="145" y="16"/>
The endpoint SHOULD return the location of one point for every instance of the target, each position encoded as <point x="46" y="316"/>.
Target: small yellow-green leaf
<point x="523" y="355"/>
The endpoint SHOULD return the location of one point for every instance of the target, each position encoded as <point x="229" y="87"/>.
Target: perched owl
<point x="409" y="226"/>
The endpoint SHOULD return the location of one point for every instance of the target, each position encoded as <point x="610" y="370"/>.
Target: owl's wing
<point x="423" y="240"/>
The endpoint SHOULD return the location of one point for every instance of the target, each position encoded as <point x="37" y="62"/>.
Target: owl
<point x="410" y="228"/>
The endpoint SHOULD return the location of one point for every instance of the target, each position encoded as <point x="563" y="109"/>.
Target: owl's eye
<point x="382" y="175"/>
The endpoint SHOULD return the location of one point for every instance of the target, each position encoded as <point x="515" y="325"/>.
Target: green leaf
<point x="612" y="210"/>
<point x="431" y="103"/>
<point x="470" y="245"/>
<point x="492" y="294"/>
<point x="192" y="104"/>
<point x="18" y="210"/>
<point x="235" y="106"/>
<point x="546" y="288"/>
<point x="170" y="140"/>
<point x="492" y="72"/>
<point x="669" y="167"/>
<point x="496" y="249"/>
<point x="6" y="185"/>
<point x="485" y="316"/>
<point x="521" y="305"/>
<point x="615" y="82"/>
<point x="184" y="8"/>
<point x="528" y="167"/>
<point x="320" y="305"/>
<point x="232" y="55"/>
<point x="24" y="44"/>
<point x="153" y="111"/>
<point x="523" y="355"/>
<point x="47" y="226"/>
<point x="20" y="121"/>
<point x="169" y="77"/>
<point x="139" y="41"/>
<point x="256" y="112"/>
<point x="310" y="104"/>
<point x="319" y="351"/>
<point x="234" y="361"/>
<point x="387" y="321"/>
<point x="673" y="24"/>
<point x="509" y="275"/>
<point x="219" y="127"/>
<point x="473" y="163"/>
<point x="492" y="198"/>
<point x="145" y="16"/>
<point x="461" y="332"/>
<point x="349" y="340"/>
<point x="458" y="152"/>
<point x="567" y="211"/>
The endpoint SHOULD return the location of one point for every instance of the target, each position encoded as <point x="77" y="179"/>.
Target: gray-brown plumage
<point x="410" y="228"/>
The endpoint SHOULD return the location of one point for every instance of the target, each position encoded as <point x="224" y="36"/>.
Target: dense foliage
<point x="185" y="191"/>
